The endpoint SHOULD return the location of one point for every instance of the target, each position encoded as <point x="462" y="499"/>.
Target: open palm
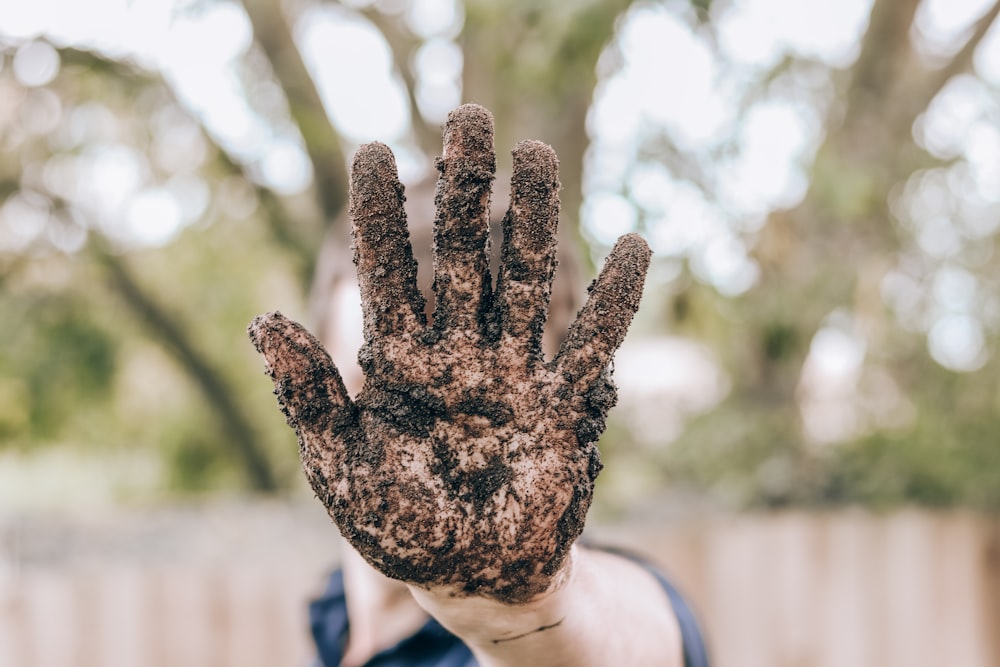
<point x="467" y="461"/>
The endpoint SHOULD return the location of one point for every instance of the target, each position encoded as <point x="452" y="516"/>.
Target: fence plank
<point x="962" y="639"/>
<point x="49" y="624"/>
<point x="121" y="627"/>
<point x="989" y="586"/>
<point x="845" y="589"/>
<point x="795" y="557"/>
<point x="909" y="574"/>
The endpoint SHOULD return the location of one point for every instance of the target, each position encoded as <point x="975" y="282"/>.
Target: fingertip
<point x="630" y="256"/>
<point x="370" y="154"/>
<point x="534" y="152"/>
<point x="280" y="340"/>
<point x="259" y="327"/>
<point x="535" y="164"/>
<point x="373" y="163"/>
<point x="375" y="186"/>
<point x="469" y="131"/>
<point x="470" y="114"/>
<point x="632" y="244"/>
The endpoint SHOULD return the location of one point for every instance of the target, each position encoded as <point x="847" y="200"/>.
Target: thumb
<point x="309" y="388"/>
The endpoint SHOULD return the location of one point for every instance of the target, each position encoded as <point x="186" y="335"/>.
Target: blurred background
<point x="808" y="435"/>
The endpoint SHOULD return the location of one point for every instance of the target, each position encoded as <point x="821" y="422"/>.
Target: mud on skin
<point x="466" y="462"/>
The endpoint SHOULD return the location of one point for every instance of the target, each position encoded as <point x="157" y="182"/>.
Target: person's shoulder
<point x="695" y="649"/>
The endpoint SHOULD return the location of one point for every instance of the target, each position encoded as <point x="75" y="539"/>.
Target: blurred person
<point x="461" y="473"/>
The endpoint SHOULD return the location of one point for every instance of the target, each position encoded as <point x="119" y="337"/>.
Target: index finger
<point x="602" y="323"/>
<point x="387" y="273"/>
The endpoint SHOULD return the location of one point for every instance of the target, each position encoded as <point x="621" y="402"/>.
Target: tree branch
<point x="962" y="61"/>
<point x="274" y="35"/>
<point x="276" y="218"/>
<point x="287" y="235"/>
<point x="885" y="52"/>
<point x="238" y="428"/>
<point x="403" y="44"/>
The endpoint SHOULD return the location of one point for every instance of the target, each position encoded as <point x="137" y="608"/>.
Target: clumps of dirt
<point x="602" y="323"/>
<point x="461" y="226"/>
<point x="528" y="257"/>
<point x="466" y="463"/>
<point x="387" y="272"/>
<point x="310" y="391"/>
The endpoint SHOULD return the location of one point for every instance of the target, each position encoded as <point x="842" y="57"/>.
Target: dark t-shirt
<point x="433" y="646"/>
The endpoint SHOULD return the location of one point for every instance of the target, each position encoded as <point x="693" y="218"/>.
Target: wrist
<point x="483" y="621"/>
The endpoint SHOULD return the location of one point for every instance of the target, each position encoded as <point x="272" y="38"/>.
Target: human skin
<point x="465" y="465"/>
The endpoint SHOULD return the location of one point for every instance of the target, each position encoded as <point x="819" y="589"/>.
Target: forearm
<point x="607" y="610"/>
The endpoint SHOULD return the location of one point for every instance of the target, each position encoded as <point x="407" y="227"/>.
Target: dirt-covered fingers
<point x="387" y="272"/>
<point x="306" y="382"/>
<point x="601" y="324"/>
<point x="461" y="225"/>
<point x="528" y="258"/>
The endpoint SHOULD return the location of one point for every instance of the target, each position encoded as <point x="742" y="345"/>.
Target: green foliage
<point x="741" y="463"/>
<point x="152" y="355"/>
<point x="82" y="367"/>
<point x="944" y="459"/>
<point x="779" y="340"/>
<point x="194" y="461"/>
<point x="57" y="359"/>
<point x="78" y="369"/>
<point x="947" y="457"/>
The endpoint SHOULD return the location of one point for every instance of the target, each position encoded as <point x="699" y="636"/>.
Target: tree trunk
<point x="832" y="249"/>
<point x="238" y="429"/>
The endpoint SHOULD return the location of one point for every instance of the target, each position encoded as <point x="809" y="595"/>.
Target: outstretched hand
<point x="466" y="462"/>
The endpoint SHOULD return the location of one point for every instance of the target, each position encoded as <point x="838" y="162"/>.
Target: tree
<point x="108" y="85"/>
<point x="851" y="262"/>
<point x="830" y="266"/>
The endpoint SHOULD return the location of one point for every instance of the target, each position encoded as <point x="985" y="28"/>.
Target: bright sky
<point x="669" y="79"/>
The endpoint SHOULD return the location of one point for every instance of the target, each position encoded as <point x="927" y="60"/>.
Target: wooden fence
<point x="788" y="590"/>
<point x="911" y="589"/>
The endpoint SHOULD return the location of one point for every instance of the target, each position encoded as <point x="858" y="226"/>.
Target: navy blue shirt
<point x="433" y="646"/>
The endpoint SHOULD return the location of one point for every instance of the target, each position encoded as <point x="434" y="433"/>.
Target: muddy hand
<point x="466" y="462"/>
